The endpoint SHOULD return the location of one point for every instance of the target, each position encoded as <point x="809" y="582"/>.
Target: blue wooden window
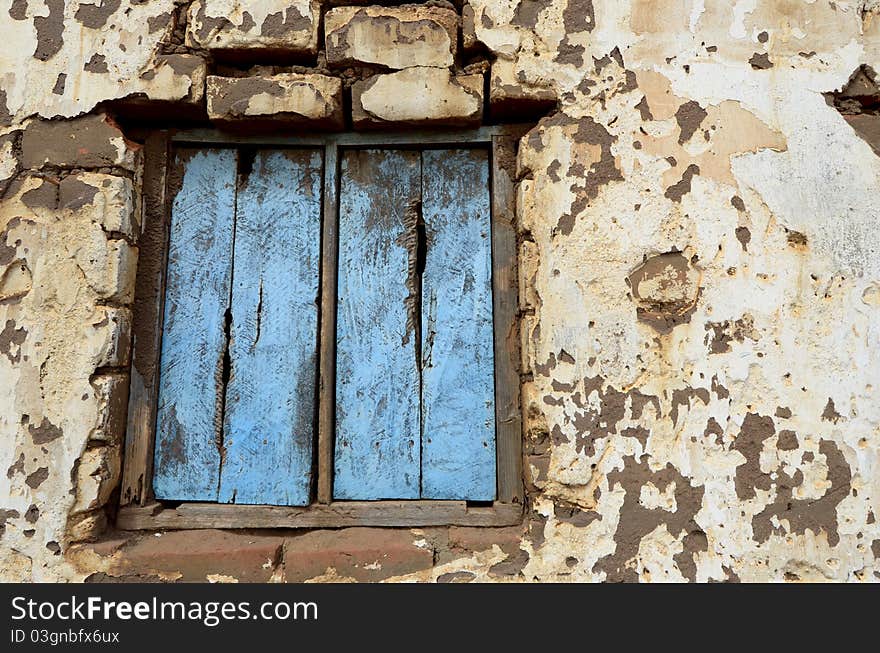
<point x="414" y="396"/>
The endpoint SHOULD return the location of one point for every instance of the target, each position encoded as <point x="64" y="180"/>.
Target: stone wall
<point x="699" y="272"/>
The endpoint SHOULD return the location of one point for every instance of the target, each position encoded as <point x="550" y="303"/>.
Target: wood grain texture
<point x="408" y="137"/>
<point x="377" y="402"/>
<point x="189" y="419"/>
<point x="327" y="353"/>
<point x="508" y="420"/>
<point x="338" y="514"/>
<point x="137" y="460"/>
<point x="270" y="397"/>
<point x="458" y="402"/>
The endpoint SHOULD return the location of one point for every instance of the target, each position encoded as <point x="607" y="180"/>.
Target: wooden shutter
<point x="415" y="375"/>
<point x="237" y="371"/>
<point x="377" y="378"/>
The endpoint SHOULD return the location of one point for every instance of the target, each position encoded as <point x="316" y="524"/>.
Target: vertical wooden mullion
<point x="419" y="335"/>
<point x="505" y="299"/>
<point x="137" y="462"/>
<point x="327" y="344"/>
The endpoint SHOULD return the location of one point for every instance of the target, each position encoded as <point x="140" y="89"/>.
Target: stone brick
<point x="418" y="96"/>
<point x="96" y="477"/>
<point x="528" y="330"/>
<point x="526" y="198"/>
<point x="860" y="87"/>
<point x="528" y="271"/>
<point x="114" y="280"/>
<point x="109" y="266"/>
<point x="175" y="78"/>
<point x="867" y="126"/>
<point x="104" y="548"/>
<point x="15" y="567"/>
<point x="472" y="538"/>
<point x="9" y="163"/>
<point x="465" y="540"/>
<point x="364" y="554"/>
<point x="665" y="288"/>
<point x="469" y="41"/>
<point x="195" y="555"/>
<point x="456" y="577"/>
<point x="288" y="26"/>
<point x="111" y="391"/>
<point x="16" y="280"/>
<point x="86" y="526"/>
<point x="112" y="336"/>
<point x="92" y="141"/>
<point x="509" y="94"/>
<point x="289" y="97"/>
<point x="110" y="197"/>
<point x="396" y="37"/>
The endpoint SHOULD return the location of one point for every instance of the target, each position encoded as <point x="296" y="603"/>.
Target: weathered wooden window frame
<point x="138" y="507"/>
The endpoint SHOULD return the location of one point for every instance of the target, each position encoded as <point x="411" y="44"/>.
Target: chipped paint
<point x="699" y="279"/>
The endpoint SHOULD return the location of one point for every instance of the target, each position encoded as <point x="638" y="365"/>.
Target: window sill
<point x="339" y="514"/>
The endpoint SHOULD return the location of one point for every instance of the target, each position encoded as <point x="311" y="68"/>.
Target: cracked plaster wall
<point x="699" y="281"/>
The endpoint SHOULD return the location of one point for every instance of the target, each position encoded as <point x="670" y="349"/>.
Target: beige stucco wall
<point x="700" y="282"/>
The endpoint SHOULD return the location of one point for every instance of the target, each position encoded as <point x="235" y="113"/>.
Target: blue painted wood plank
<point x="458" y="395"/>
<point x="377" y="402"/>
<point x="189" y="412"/>
<point x="270" y="398"/>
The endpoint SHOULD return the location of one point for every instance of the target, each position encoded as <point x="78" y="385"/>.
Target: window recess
<point x="415" y="404"/>
<point x="332" y="340"/>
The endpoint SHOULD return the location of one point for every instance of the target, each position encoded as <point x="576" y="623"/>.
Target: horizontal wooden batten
<point x="339" y="514"/>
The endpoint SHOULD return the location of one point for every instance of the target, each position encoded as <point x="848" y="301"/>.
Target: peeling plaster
<point x="699" y="280"/>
